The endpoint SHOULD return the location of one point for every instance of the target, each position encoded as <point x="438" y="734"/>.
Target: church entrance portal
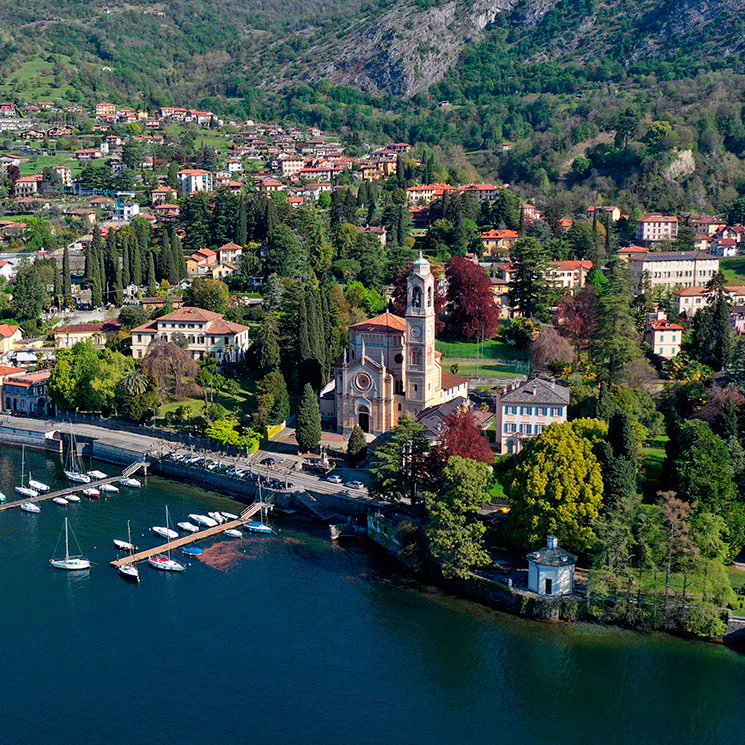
<point x="363" y="419"/>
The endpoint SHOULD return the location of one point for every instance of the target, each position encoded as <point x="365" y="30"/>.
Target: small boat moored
<point x="39" y="486"/>
<point x="255" y="526"/>
<point x="164" y="532"/>
<point x="91" y="492"/>
<point x="164" y="561"/>
<point x="72" y="497"/>
<point x="217" y="517"/>
<point x="110" y="488"/>
<point x="124" y="545"/>
<point x="61" y="501"/>
<point x="192" y="550"/>
<point x="97" y="475"/>
<point x="130" y="572"/>
<point x="132" y="483"/>
<point x="207" y="522"/>
<point x="229" y="515"/>
<point x="188" y="527"/>
<point x="30" y="507"/>
<point x="77" y="477"/>
<point x="3" y="498"/>
<point x="233" y="533"/>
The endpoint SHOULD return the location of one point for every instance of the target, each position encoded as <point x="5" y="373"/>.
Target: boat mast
<point x="67" y="544"/>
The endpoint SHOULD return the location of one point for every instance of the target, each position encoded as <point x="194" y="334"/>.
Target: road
<point x="141" y="445"/>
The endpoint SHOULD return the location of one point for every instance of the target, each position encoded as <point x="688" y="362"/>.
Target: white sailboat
<point x="164" y="561"/>
<point x="258" y="526"/>
<point x="31" y="507"/>
<point x="129" y="570"/>
<point x="164" y="532"/>
<point x="71" y="563"/>
<point x="73" y="471"/>
<point x="24" y="490"/>
<point x="39" y="486"/>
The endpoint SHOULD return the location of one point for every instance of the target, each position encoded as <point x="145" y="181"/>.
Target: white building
<point x="125" y="211"/>
<point x="526" y="411"/>
<point x="691" y="299"/>
<point x="655" y="227"/>
<point x="551" y="569"/>
<point x="671" y="269"/>
<point x="208" y="334"/>
<point x="192" y="180"/>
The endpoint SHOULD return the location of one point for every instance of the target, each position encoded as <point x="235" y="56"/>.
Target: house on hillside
<point x="665" y="337"/>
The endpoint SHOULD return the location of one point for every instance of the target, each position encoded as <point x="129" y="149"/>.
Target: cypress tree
<point x="243" y="222"/>
<point x="66" y="279"/>
<point x="152" y="283"/>
<point x="269" y="354"/>
<point x="357" y="446"/>
<point x="118" y="287"/>
<point x="126" y="248"/>
<point x="178" y="252"/>
<point x="111" y="266"/>
<point x="135" y="261"/>
<point x="308" y="432"/>
<point x="57" y="288"/>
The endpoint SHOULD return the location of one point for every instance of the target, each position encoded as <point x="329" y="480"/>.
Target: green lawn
<point x="653" y="457"/>
<point x="492" y="359"/>
<point x="36" y="163"/>
<point x="487" y="368"/>
<point x="34" y="81"/>
<point x="733" y="268"/>
<point x="491" y="348"/>
<point x="241" y="403"/>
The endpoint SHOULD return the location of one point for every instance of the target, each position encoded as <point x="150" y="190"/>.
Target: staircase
<point x="312" y="505"/>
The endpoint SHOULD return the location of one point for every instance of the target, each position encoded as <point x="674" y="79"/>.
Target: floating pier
<point x="126" y="473"/>
<point x="246" y="515"/>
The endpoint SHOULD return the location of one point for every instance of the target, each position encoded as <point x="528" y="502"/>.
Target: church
<point x="391" y="367"/>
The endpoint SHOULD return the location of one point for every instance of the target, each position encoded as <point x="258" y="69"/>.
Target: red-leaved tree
<point x="472" y="308"/>
<point x="399" y="296"/>
<point x="575" y="316"/>
<point x="462" y="436"/>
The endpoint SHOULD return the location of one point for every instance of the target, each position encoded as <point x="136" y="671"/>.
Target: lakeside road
<point x="141" y="446"/>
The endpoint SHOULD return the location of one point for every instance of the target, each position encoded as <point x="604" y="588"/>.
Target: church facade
<point x="391" y="367"/>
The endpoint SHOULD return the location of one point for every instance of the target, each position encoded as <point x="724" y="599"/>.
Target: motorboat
<point x="77" y="477"/>
<point x="131" y="483"/>
<point x="188" y="527"/>
<point x="71" y="563"/>
<point x="109" y="488"/>
<point x="97" y="475"/>
<point x="164" y="532"/>
<point x="256" y="526"/>
<point x="61" y="501"/>
<point x="203" y="520"/>
<point x="39" y="486"/>
<point x="124" y="545"/>
<point x="72" y="497"/>
<point x="30" y="507"/>
<point x="229" y="515"/>
<point x="91" y="492"/>
<point x="3" y="498"/>
<point x="192" y="550"/>
<point x="217" y="517"/>
<point x="23" y="490"/>
<point x="233" y="533"/>
<point x="129" y="570"/>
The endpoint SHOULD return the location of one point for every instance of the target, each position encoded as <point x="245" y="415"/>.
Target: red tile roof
<point x="383" y="323"/>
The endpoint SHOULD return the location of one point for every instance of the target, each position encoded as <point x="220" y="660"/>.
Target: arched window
<point x="416" y="357"/>
<point x="416" y="297"/>
<point x="429" y="297"/>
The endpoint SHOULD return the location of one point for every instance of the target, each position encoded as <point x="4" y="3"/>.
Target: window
<point x="213" y="340"/>
<point x="661" y="351"/>
<point x="416" y="297"/>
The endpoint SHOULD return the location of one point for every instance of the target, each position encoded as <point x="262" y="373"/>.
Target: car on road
<point x="354" y="485"/>
<point x="268" y="462"/>
<point x="334" y="479"/>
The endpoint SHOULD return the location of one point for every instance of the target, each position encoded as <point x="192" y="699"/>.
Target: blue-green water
<point x="289" y="639"/>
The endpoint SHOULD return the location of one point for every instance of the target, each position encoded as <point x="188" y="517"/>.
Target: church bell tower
<point x="423" y="379"/>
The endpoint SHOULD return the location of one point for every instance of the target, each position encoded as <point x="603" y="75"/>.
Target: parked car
<point x="354" y="485"/>
<point x="334" y="478"/>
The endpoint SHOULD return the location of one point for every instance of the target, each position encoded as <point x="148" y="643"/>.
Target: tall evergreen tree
<point x="111" y="267"/>
<point x="66" y="279"/>
<point x="308" y="431"/>
<point x="618" y="459"/>
<point x="243" y="223"/>
<point x="713" y="336"/>
<point x="152" y="282"/>
<point x="135" y="261"/>
<point x="178" y="254"/>
<point x="126" y="272"/>
<point x="529" y="288"/>
<point x="269" y="356"/>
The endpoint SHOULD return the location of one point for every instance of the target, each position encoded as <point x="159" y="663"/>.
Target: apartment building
<point x="656" y="227"/>
<point x="671" y="269"/>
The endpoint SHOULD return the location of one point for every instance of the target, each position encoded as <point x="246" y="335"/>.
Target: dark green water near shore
<point x="290" y="639"/>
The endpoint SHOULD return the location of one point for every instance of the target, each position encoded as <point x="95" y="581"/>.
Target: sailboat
<point x="22" y="489"/>
<point x="258" y="526"/>
<point x="72" y="467"/>
<point x="39" y="486"/>
<point x="129" y="570"/>
<point x="164" y="561"/>
<point x="71" y="563"/>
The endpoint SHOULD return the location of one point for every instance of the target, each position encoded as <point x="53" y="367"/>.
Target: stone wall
<point x="36" y="440"/>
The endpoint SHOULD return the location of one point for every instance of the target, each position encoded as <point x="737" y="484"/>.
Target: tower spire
<point x="363" y="350"/>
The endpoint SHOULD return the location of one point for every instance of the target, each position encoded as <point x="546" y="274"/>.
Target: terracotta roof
<point x="221" y="327"/>
<point x="451" y="380"/>
<point x="230" y="246"/>
<point x="572" y="264"/>
<point x="28" y="380"/>
<point x="664" y="325"/>
<point x="9" y="370"/>
<point x="82" y="328"/>
<point x="7" y="329"/>
<point x="500" y="234"/>
<point x="383" y="323"/>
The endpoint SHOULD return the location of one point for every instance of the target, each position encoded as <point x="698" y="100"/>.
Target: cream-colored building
<point x="526" y="411"/>
<point x="671" y="269"/>
<point x="192" y="180"/>
<point x="655" y="227"/>
<point x="391" y="368"/>
<point x="208" y="334"/>
<point x="691" y="299"/>
<point x="665" y="337"/>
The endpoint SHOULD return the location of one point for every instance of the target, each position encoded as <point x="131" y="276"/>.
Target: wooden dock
<point x="246" y="515"/>
<point x="77" y="488"/>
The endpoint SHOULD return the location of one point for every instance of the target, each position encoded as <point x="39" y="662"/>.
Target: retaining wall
<point x="29" y="438"/>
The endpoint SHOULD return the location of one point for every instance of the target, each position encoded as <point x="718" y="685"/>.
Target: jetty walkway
<point x="245" y="516"/>
<point x="126" y="473"/>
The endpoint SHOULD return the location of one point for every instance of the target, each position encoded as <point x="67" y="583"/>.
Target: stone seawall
<point x="36" y="440"/>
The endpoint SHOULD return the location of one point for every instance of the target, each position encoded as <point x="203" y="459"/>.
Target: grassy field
<point x="733" y="268"/>
<point x="653" y="457"/>
<point x="492" y="359"/>
<point x="36" y="163"/>
<point x="34" y="81"/>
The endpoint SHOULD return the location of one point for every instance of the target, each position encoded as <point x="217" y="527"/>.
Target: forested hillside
<point x="551" y="77"/>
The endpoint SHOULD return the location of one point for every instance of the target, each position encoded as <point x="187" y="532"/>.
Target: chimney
<point x="552" y="541"/>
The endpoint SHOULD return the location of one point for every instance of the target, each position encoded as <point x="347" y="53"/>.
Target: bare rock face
<point x="406" y="49"/>
<point x="683" y="165"/>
